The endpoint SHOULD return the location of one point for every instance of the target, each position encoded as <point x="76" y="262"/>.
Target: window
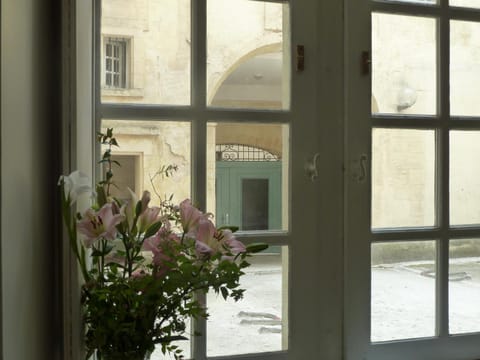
<point x="412" y="239"/>
<point x="115" y="62"/>
<point x="411" y="113"/>
<point x="212" y="74"/>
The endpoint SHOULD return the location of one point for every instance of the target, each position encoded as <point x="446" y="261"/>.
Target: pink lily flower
<point x="235" y="246"/>
<point x="189" y="215"/>
<point x="157" y="245"/>
<point x="101" y="224"/>
<point x="206" y="243"/>
<point x="148" y="217"/>
<point x="153" y="244"/>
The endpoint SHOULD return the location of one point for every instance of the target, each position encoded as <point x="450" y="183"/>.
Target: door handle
<point x="360" y="168"/>
<point x="311" y="170"/>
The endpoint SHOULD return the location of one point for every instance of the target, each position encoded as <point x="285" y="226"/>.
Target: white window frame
<point x="358" y="235"/>
<point x="200" y="115"/>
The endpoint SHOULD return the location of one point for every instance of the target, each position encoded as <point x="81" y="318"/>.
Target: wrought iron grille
<point x="239" y="152"/>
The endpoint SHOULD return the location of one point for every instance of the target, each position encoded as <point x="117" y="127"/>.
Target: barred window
<point x="115" y="50"/>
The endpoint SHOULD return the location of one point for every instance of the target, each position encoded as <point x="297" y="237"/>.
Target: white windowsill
<point x="110" y="92"/>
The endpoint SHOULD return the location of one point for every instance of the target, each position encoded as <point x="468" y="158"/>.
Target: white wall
<point x="28" y="68"/>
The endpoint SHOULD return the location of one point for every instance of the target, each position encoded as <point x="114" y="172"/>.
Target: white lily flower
<point x="75" y="184"/>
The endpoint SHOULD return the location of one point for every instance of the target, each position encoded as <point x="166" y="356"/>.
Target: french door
<point x="178" y="80"/>
<point x="412" y="233"/>
<point x="371" y="109"/>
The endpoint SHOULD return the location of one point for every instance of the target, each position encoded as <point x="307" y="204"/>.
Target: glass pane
<point x="116" y="80"/>
<point x="464" y="286"/>
<point x="247" y="57"/>
<point x="158" y="52"/>
<point x="464" y="172"/>
<point x="464" y="66"/>
<point x="255" y="204"/>
<point x="403" y="64"/>
<point x="149" y="146"/>
<point x="403" y="290"/>
<point x="403" y="178"/>
<point x="465" y="3"/>
<point x="258" y="322"/>
<point x="247" y="175"/>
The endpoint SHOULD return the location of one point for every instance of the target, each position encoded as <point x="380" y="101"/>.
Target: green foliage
<point x="131" y="315"/>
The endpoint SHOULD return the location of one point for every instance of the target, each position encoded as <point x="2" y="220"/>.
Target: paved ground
<point x="403" y="306"/>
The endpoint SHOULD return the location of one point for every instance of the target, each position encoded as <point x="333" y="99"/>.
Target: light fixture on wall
<point x="406" y="97"/>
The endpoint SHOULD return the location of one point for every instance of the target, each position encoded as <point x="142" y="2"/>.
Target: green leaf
<point x="96" y="253"/>
<point x="224" y="291"/>
<point x="256" y="247"/>
<point x="228" y="227"/>
<point x="153" y="229"/>
<point x="108" y="248"/>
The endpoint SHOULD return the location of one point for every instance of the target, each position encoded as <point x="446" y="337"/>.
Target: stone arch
<point x="234" y="64"/>
<point x="263" y="136"/>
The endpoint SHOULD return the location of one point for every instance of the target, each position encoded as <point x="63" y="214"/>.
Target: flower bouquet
<point x="142" y="266"/>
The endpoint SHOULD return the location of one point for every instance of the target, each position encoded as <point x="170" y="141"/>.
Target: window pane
<point x="403" y="290"/>
<point x="255" y="204"/>
<point x="247" y="175"/>
<point x="403" y="64"/>
<point x="403" y="178"/>
<point x="466" y="3"/>
<point x="116" y="80"/>
<point x="464" y="66"/>
<point x="152" y="145"/>
<point x="247" y="58"/>
<point x="158" y="55"/>
<point x="464" y="170"/>
<point x="464" y="286"/>
<point x="258" y="322"/>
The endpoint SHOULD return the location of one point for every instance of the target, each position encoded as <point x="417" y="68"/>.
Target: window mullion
<point x="443" y="168"/>
<point x="199" y="137"/>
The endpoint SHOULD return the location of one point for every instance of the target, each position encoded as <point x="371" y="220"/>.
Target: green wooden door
<point x="248" y="194"/>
